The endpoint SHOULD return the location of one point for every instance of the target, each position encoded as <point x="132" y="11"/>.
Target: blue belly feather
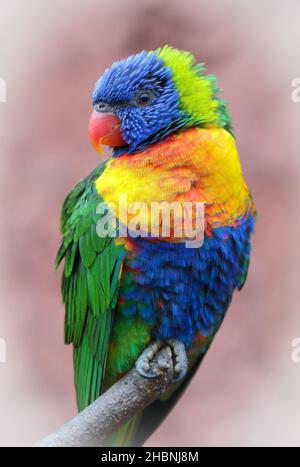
<point x="182" y="291"/>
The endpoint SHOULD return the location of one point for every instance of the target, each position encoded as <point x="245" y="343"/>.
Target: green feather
<point x="90" y="286"/>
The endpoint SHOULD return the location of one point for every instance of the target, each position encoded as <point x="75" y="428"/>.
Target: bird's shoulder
<point x="80" y="201"/>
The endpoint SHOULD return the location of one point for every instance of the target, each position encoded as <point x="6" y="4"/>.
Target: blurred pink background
<point x="247" y="391"/>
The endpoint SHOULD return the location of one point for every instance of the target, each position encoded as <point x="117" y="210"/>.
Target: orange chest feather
<point x="198" y="165"/>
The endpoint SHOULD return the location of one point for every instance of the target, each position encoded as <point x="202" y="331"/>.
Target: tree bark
<point x="126" y="398"/>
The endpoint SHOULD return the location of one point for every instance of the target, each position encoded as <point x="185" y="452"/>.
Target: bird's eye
<point x="102" y="107"/>
<point x="144" y="97"/>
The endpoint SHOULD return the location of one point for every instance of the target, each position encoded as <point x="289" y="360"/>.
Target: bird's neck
<point x="158" y="137"/>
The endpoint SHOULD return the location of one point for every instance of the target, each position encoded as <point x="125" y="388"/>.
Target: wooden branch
<point x="123" y="400"/>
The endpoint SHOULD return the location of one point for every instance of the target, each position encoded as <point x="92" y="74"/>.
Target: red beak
<point x="104" y="129"/>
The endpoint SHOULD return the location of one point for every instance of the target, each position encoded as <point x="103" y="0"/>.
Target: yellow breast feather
<point x="198" y="165"/>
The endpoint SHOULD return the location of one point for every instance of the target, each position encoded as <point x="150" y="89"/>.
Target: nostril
<point x="102" y="107"/>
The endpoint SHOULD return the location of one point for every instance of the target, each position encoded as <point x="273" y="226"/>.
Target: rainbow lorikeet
<point x="127" y="296"/>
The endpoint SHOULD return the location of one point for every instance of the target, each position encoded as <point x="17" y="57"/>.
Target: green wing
<point x="90" y="286"/>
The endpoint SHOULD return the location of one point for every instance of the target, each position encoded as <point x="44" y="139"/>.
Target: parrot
<point x="170" y="139"/>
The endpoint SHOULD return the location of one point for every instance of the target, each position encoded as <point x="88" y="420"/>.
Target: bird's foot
<point x="180" y="361"/>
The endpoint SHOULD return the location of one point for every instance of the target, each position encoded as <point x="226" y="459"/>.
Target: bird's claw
<point x="142" y="365"/>
<point x="181" y="361"/>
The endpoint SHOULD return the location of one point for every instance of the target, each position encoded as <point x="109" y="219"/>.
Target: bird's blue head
<point x="142" y="99"/>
